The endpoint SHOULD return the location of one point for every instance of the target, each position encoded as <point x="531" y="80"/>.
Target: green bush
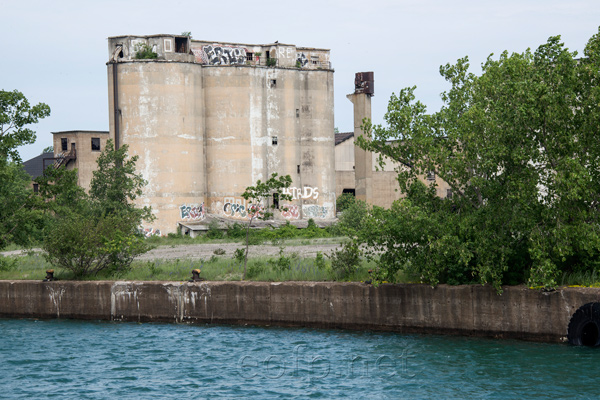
<point x="353" y="217"/>
<point x="7" y="263"/>
<point x="345" y="262"/>
<point x="214" y="231"/>
<point x="343" y="202"/>
<point x="236" y="231"/>
<point x="144" y="52"/>
<point x="85" y="244"/>
<point x="239" y="255"/>
<point x="320" y="262"/>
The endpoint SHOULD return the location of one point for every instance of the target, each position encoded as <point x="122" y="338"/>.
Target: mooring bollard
<point x="49" y="275"/>
<point x="196" y="275"/>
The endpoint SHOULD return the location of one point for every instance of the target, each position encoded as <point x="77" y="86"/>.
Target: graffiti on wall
<point x="238" y="208"/>
<point x="290" y="211"/>
<point x="301" y="59"/>
<point x="302" y="193"/>
<point x="148" y="232"/>
<point x="314" y="211"/>
<point x="220" y="55"/>
<point x="192" y="212"/>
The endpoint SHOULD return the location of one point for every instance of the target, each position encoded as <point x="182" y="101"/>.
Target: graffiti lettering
<point x="193" y="212"/>
<point x="285" y="52"/>
<point x="290" y="211"/>
<point x="301" y="58"/>
<point x="221" y="55"/>
<point x="302" y="193"/>
<point x="237" y="208"/>
<point x="314" y="211"/>
<point x="148" y="232"/>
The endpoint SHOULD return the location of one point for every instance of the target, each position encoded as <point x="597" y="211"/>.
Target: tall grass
<point x="286" y="267"/>
<point x="581" y="278"/>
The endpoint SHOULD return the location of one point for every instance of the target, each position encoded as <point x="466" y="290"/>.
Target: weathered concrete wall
<point x="86" y="158"/>
<point x="203" y="133"/>
<point x="468" y="310"/>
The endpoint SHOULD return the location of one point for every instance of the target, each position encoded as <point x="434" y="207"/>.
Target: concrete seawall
<point x="466" y="310"/>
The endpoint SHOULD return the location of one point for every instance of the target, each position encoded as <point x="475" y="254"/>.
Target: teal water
<point x="102" y="360"/>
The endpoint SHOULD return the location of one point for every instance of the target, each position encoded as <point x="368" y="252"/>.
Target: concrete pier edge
<point x="471" y="310"/>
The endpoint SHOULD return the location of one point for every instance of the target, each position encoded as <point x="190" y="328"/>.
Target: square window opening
<point x="181" y="44"/>
<point x="273" y="82"/>
<point x="95" y="144"/>
<point x="274" y="140"/>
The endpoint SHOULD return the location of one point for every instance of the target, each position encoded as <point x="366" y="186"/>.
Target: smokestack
<point x="364" y="89"/>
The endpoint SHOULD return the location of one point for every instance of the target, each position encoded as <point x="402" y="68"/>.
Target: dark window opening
<point x="249" y="56"/>
<point x="181" y="45"/>
<point x="36" y="188"/>
<point x="297" y="113"/>
<point x="349" y="191"/>
<point x="64" y="144"/>
<point x="120" y="52"/>
<point x="276" y="200"/>
<point x="73" y="147"/>
<point x="95" y="144"/>
<point x="274" y="140"/>
<point x="273" y="82"/>
<point x="298" y="168"/>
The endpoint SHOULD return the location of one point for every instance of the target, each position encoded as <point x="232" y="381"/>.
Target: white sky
<point x="56" y="51"/>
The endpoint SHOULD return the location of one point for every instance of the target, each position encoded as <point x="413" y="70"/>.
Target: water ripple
<point x="98" y="360"/>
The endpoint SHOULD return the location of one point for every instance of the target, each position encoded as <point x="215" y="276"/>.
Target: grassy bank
<point x="285" y="267"/>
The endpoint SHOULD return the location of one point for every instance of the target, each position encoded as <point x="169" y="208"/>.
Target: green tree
<point x="20" y="214"/>
<point x="257" y="195"/>
<point x="518" y="146"/>
<point x="49" y="149"/>
<point x="15" y="114"/>
<point x="115" y="184"/>
<point x="99" y="231"/>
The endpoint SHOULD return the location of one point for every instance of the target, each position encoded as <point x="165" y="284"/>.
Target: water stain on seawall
<point x="474" y="310"/>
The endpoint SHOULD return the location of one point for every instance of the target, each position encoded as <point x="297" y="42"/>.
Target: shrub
<point x="345" y="262"/>
<point x="239" y="255"/>
<point x="344" y="201"/>
<point x="144" y="52"/>
<point x="214" y="231"/>
<point x="236" y="231"/>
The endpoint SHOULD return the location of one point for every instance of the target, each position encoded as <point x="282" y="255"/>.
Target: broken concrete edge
<point x="468" y="310"/>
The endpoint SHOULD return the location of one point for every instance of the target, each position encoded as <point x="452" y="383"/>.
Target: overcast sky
<point x="56" y="51"/>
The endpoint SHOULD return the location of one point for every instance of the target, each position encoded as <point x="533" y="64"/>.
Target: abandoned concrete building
<point x="357" y="170"/>
<point x="209" y="119"/>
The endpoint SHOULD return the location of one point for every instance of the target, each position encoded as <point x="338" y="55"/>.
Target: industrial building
<point x="207" y="119"/>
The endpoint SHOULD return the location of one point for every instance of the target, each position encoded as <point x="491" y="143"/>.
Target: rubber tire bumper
<point x="584" y="327"/>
